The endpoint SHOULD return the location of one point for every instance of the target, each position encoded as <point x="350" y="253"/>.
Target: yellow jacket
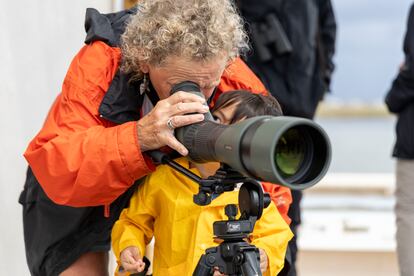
<point x="163" y="207"/>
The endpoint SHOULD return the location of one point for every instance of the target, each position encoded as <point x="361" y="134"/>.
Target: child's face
<point x="225" y="115"/>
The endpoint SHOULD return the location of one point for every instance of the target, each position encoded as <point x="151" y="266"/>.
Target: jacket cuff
<point x="132" y="158"/>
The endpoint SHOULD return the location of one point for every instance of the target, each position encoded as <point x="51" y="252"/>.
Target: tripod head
<point x="234" y="256"/>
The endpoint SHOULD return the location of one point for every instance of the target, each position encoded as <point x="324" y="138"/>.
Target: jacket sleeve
<point x="77" y="157"/>
<point x="272" y="234"/>
<point x="281" y="197"/>
<point x="135" y="226"/>
<point x="401" y="93"/>
<point x="327" y="34"/>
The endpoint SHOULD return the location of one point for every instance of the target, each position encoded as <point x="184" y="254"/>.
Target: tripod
<point x="234" y="256"/>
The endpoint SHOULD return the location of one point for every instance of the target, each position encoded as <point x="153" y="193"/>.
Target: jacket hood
<point x="122" y="101"/>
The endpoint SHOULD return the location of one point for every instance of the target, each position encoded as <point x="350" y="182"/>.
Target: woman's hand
<point x="153" y="131"/>
<point x="264" y="261"/>
<point x="131" y="260"/>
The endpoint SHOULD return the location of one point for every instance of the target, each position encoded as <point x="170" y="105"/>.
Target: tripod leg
<point x="202" y="269"/>
<point x="251" y="264"/>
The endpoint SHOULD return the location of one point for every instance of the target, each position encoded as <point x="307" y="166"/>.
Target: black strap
<point x="209" y="100"/>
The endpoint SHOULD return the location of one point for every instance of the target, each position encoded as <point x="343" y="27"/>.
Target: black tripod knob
<point x="231" y="211"/>
<point x="266" y="200"/>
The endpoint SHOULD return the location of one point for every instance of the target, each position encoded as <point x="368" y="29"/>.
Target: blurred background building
<point x="348" y="223"/>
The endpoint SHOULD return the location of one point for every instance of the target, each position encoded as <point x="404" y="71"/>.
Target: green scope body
<point x="290" y="151"/>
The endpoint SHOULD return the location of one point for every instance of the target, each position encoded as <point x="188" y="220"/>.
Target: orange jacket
<point x="80" y="158"/>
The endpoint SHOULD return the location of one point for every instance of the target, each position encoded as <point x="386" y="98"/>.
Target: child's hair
<point x="248" y="104"/>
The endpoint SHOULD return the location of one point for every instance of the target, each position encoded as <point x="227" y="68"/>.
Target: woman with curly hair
<point x="115" y="105"/>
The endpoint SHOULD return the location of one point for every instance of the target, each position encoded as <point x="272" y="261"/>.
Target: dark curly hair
<point x="248" y="104"/>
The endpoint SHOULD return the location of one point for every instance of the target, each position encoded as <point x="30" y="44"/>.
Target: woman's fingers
<point x="184" y="120"/>
<point x="184" y="97"/>
<point x="154" y="135"/>
<point x="156" y="129"/>
<point x="176" y="122"/>
<point x="183" y="103"/>
<point x="182" y="108"/>
<point x="173" y="143"/>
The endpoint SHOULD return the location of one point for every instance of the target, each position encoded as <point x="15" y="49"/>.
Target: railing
<point x="371" y="183"/>
<point x="349" y="212"/>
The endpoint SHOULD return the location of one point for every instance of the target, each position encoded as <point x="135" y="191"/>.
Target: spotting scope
<point x="290" y="151"/>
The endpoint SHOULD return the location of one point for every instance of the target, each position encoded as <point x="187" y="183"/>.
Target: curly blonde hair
<point x="195" y="29"/>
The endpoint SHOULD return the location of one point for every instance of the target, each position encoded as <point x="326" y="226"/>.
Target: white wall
<point x="38" y="38"/>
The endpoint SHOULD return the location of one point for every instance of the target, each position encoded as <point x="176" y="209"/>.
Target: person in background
<point x="400" y="100"/>
<point x="163" y="208"/>
<point x="115" y="105"/>
<point x="293" y="43"/>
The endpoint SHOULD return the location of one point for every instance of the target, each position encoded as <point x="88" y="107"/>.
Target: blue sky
<point x="369" y="48"/>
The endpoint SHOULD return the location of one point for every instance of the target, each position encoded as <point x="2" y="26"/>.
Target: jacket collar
<point x="122" y="101"/>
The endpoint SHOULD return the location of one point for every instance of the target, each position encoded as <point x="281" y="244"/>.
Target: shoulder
<point x="94" y="66"/>
<point x="239" y="76"/>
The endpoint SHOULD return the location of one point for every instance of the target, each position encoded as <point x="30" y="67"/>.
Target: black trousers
<point x="56" y="236"/>
<point x="295" y="214"/>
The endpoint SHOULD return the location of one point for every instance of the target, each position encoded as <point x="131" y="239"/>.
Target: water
<point x="361" y="144"/>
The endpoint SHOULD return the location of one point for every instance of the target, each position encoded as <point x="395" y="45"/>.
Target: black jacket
<point x="400" y="98"/>
<point x="299" y="79"/>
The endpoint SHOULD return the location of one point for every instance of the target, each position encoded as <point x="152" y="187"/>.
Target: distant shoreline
<point x="329" y="110"/>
